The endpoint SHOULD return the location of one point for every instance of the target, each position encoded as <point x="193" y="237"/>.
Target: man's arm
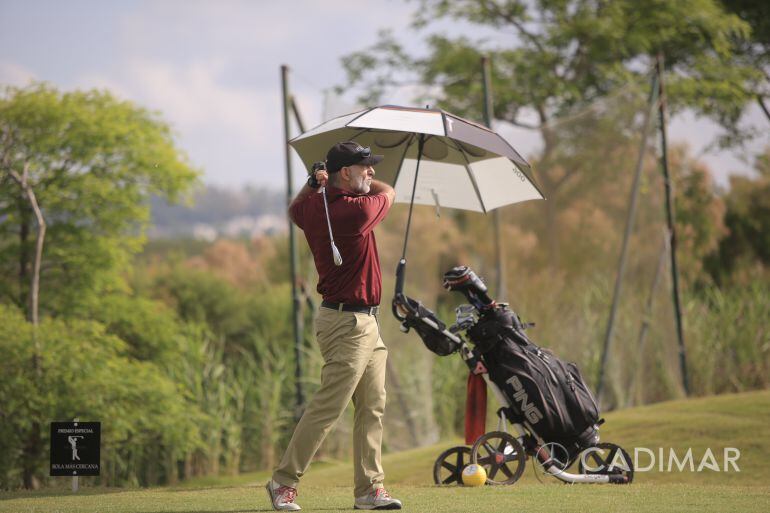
<point x="301" y="196"/>
<point x="378" y="187"/>
<point x="307" y="191"/>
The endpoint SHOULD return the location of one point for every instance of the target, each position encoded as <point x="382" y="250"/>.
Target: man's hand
<point x="322" y="177"/>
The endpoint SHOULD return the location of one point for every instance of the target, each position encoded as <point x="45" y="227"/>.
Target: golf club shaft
<point x="335" y="251"/>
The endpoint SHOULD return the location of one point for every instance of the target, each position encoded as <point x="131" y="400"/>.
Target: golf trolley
<point x="553" y="415"/>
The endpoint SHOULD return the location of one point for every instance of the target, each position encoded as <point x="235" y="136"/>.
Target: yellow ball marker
<point x="474" y="475"/>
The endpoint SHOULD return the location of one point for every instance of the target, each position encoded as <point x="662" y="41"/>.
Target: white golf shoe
<point x="378" y="499"/>
<point x="282" y="497"/>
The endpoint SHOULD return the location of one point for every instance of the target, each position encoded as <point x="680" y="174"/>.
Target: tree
<point x="84" y="164"/>
<point x="149" y="418"/>
<point x="699" y="216"/>
<point x="552" y="58"/>
<point x="743" y="254"/>
<point x="92" y="162"/>
<point x="757" y="48"/>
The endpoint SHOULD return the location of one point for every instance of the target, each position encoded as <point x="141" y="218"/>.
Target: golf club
<point x="335" y="252"/>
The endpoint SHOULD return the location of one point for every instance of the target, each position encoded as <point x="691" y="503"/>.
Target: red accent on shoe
<point x="291" y="493"/>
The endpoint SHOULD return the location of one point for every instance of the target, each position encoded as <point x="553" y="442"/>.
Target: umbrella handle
<point x="401" y="268"/>
<point x="400" y="276"/>
<point x="420" y="145"/>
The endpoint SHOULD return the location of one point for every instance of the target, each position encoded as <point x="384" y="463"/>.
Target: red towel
<point x="475" y="408"/>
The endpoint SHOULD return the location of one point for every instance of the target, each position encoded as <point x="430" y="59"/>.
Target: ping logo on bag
<point x="519" y="394"/>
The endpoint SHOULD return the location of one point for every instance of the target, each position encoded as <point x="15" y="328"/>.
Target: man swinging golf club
<point x="350" y="282"/>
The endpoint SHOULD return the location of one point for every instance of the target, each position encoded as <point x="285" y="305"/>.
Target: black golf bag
<point x="545" y="393"/>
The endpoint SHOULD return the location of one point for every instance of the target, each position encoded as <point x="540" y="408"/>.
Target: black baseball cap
<point x="349" y="153"/>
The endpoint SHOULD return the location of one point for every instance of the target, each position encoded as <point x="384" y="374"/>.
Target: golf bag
<point x="546" y="394"/>
<point x="544" y="391"/>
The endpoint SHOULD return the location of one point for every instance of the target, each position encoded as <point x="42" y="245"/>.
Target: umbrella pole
<point x="401" y="268"/>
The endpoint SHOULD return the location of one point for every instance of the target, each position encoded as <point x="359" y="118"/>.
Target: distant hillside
<point x="217" y="211"/>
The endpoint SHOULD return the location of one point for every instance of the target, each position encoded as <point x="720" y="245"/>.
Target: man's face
<point x="360" y="180"/>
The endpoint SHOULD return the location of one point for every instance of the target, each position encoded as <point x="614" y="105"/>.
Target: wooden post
<point x="296" y="321"/>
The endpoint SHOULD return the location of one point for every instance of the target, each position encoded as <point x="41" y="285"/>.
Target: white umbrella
<point x="432" y="157"/>
<point x="462" y="164"/>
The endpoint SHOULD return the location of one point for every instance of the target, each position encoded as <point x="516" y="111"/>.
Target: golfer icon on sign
<point x="73" y="440"/>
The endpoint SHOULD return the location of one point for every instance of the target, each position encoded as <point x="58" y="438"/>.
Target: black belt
<point x="342" y="307"/>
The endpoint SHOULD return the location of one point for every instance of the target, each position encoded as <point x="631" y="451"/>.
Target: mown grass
<point x="735" y="420"/>
<point x="522" y="497"/>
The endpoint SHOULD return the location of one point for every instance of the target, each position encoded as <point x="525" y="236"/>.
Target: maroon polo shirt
<point x="358" y="281"/>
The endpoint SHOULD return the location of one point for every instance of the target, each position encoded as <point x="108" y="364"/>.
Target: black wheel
<point x="501" y="455"/>
<point x="607" y="459"/>
<point x="449" y="465"/>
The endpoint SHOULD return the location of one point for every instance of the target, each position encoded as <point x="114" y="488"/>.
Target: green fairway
<point x="527" y="497"/>
<point x="738" y="421"/>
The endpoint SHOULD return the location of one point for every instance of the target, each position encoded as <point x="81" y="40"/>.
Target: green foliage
<point x="699" y="215"/>
<point x="201" y="297"/>
<point x="732" y="349"/>
<point x="757" y="14"/>
<point x="564" y="68"/>
<point x="744" y="253"/>
<point x="93" y="163"/>
<point x="552" y="56"/>
<point x="755" y="50"/>
<point x="148" y="327"/>
<point x="86" y="372"/>
<point x="247" y="364"/>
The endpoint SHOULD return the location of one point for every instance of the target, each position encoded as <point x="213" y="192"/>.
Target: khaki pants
<point x="354" y="367"/>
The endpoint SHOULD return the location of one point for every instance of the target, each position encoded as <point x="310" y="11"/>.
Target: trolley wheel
<point x="449" y="466"/>
<point x="501" y="455"/>
<point x="607" y="459"/>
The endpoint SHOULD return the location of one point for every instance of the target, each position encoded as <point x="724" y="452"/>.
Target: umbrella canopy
<point x="462" y="164"/>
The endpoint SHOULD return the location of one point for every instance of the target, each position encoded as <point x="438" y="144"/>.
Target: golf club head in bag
<point x="462" y="279"/>
<point x="318" y="166"/>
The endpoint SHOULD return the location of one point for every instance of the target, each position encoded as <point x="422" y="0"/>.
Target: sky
<point x="212" y="69"/>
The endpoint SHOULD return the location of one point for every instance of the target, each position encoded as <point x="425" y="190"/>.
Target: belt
<point x="342" y="307"/>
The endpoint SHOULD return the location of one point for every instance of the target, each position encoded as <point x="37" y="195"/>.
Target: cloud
<point x="195" y="97"/>
<point x="14" y="74"/>
<point x="96" y="81"/>
<point x="224" y="127"/>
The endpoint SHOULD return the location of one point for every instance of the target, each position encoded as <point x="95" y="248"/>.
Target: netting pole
<point x="652" y="106"/>
<point x="670" y="219"/>
<point x="296" y="321"/>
